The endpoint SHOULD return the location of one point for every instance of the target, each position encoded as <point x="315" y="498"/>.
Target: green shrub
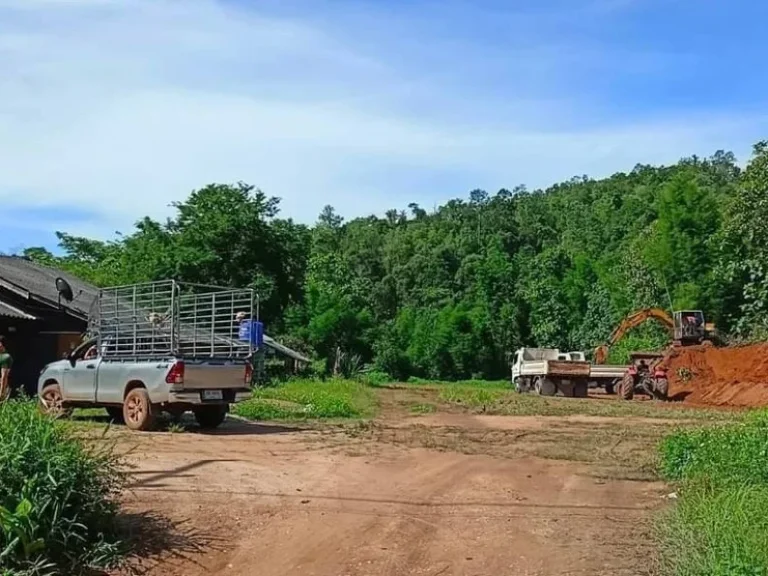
<point x="58" y="497"/>
<point x="719" y="526"/>
<point x="716" y="531"/>
<point x="733" y="453"/>
<point x="305" y="399"/>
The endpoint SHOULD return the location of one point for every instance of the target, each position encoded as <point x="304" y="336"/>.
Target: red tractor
<point x="646" y="374"/>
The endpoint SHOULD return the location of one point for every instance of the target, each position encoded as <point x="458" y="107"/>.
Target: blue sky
<point x="112" y="109"/>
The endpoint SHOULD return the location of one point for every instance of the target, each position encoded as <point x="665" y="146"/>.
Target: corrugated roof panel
<point x="14" y="312"/>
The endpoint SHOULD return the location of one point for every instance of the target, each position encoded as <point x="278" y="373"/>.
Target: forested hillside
<point x="447" y="294"/>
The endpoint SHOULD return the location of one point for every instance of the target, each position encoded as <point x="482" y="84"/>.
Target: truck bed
<point x="556" y="368"/>
<point x="607" y="371"/>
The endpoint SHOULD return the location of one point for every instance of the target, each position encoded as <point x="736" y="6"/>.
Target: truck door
<point x="80" y="380"/>
<point x="516" y="366"/>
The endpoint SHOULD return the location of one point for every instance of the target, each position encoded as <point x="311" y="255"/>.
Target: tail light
<point x="248" y="376"/>
<point x="176" y="373"/>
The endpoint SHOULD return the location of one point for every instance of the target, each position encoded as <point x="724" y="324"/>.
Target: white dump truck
<point x="549" y="371"/>
<point x="159" y="347"/>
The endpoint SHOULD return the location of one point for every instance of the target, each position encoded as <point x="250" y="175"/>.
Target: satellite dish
<point x="64" y="289"/>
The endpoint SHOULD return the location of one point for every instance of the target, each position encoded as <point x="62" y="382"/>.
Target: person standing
<point x="6" y="361"/>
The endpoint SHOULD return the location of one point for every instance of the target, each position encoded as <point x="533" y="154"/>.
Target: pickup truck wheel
<point x="52" y="402"/>
<point x="545" y="387"/>
<point x="138" y="411"/>
<point x="210" y="417"/>
<point x="627" y="387"/>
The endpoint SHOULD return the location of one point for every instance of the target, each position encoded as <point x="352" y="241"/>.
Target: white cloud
<point x="124" y="106"/>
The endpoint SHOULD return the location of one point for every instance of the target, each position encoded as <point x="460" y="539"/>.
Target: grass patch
<point x="309" y="399"/>
<point x="497" y="400"/>
<point x="422" y="408"/>
<point x="720" y="525"/>
<point x="58" y="497"/>
<point x="716" y="531"/>
<point x="466" y="383"/>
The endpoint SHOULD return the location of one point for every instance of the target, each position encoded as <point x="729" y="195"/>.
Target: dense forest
<point x="447" y="294"/>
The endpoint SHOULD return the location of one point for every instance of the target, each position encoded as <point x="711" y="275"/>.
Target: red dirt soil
<point x="704" y="375"/>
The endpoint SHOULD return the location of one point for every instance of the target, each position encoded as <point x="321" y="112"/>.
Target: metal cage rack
<point x="169" y="318"/>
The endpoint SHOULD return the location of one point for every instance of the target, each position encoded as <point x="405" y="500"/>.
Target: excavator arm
<point x="632" y="320"/>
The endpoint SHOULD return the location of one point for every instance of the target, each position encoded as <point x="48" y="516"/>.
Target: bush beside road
<point x="58" y="496"/>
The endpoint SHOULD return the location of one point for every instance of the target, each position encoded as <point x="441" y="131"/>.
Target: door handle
<point x="160" y="366"/>
<point x="90" y="366"/>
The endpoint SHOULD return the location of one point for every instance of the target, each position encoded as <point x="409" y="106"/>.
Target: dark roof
<point x="11" y="311"/>
<point x="38" y="282"/>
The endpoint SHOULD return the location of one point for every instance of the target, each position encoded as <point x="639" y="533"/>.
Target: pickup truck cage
<point x="170" y="319"/>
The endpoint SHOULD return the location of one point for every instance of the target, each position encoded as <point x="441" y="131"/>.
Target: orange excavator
<point x="686" y="327"/>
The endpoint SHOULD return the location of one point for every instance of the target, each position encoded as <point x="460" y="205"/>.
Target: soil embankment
<point x="704" y="375"/>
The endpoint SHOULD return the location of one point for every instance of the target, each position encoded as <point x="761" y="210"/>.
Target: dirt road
<point x="356" y="501"/>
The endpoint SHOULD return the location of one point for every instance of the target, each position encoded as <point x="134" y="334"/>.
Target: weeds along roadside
<point x="58" y="497"/>
<point x="300" y="399"/>
<point x="719" y="524"/>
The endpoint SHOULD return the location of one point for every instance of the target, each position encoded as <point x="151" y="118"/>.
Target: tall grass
<point x="308" y="399"/>
<point x="58" y="497"/>
<point x="719" y="526"/>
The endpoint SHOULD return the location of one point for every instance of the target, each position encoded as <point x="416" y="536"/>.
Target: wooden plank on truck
<point x="568" y="369"/>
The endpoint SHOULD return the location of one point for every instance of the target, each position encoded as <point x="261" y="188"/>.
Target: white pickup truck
<point x="159" y="347"/>
<point x="549" y="371"/>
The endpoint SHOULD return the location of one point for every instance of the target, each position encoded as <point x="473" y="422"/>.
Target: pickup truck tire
<point x="138" y="411"/>
<point x="627" y="388"/>
<point x="52" y="402"/>
<point x="209" y="417"/>
<point x="545" y="386"/>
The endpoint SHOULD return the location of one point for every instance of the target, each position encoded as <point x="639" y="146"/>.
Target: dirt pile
<point x="736" y="376"/>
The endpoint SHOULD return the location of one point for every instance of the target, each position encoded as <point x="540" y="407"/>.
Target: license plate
<point x="212" y="395"/>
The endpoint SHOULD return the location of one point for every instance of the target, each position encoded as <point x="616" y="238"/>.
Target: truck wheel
<point x="611" y="387"/>
<point x="209" y="417"/>
<point x="52" y="402"/>
<point x="545" y="386"/>
<point x="116" y="414"/>
<point x="661" y="389"/>
<point x="566" y="388"/>
<point x="581" y="389"/>
<point x="516" y="385"/>
<point x="627" y="387"/>
<point x="138" y="412"/>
